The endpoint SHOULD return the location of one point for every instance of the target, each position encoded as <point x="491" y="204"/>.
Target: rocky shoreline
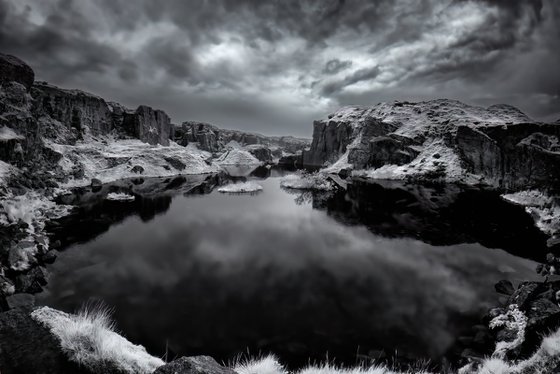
<point x="53" y="140"/>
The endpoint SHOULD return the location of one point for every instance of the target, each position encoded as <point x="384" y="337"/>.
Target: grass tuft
<point x="88" y="338"/>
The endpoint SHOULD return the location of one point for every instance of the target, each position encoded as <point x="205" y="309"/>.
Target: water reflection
<point x="342" y="273"/>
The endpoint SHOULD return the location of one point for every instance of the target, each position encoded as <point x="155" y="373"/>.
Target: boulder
<point x="12" y="69"/>
<point x="148" y="125"/>
<point x="261" y="152"/>
<point x="193" y="365"/>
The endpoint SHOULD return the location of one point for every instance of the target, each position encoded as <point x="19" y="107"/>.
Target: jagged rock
<point x="73" y="108"/>
<point x="543" y="314"/>
<point x="213" y="139"/>
<point x="194" y="365"/>
<point x="524" y="293"/>
<point x="504" y="287"/>
<point x="12" y="69"/>
<point x="261" y="152"/>
<point x="514" y="156"/>
<point x="149" y="125"/>
<point x="205" y="134"/>
<point x="330" y="139"/>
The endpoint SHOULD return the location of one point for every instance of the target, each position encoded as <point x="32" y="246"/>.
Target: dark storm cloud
<point x="335" y="65"/>
<point x="365" y="74"/>
<point x="294" y="60"/>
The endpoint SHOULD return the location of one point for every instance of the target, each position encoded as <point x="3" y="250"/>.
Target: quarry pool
<point x="381" y="270"/>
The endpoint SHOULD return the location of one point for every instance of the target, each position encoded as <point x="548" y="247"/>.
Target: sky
<point x="275" y="66"/>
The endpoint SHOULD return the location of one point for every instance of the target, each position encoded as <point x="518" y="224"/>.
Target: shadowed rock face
<point x="12" y="69"/>
<point x="513" y="156"/>
<point x="149" y="125"/>
<point x="75" y="109"/>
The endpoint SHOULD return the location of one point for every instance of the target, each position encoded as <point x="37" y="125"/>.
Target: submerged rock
<point x="194" y="365"/>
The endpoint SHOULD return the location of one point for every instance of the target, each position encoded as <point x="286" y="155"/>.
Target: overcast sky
<point x="274" y="66"/>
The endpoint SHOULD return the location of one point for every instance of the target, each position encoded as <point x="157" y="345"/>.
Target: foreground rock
<point x="28" y="347"/>
<point x="532" y="311"/>
<point x="194" y="365"/>
<point x="442" y="140"/>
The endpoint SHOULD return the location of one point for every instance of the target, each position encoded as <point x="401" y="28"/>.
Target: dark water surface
<point x="376" y="270"/>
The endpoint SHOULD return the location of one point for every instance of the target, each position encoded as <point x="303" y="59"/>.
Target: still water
<point x="380" y="270"/>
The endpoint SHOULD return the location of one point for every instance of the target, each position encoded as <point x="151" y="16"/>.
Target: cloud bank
<point x="273" y="66"/>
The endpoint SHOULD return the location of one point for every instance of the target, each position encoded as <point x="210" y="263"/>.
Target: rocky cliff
<point x="213" y="139"/>
<point x="35" y="110"/>
<point x="149" y="125"/>
<point x="439" y="139"/>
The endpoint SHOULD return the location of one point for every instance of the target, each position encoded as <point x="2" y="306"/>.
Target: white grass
<point x="270" y="365"/>
<point x="236" y="156"/>
<point x="241" y="187"/>
<point x="307" y="181"/>
<point x="119" y="196"/>
<point x="88" y="339"/>
<point x="512" y="320"/>
<point x="544" y="209"/>
<point x="265" y="365"/>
